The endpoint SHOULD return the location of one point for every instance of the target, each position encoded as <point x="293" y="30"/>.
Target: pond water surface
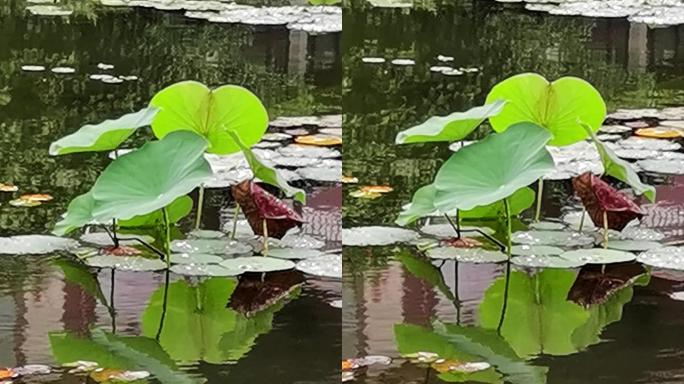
<point x="293" y="72"/>
<point x="635" y="336"/>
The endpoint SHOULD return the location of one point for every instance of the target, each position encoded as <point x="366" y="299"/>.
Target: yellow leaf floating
<point x="659" y="133"/>
<point x="105" y="374"/>
<point x="446" y="366"/>
<point x="319" y="140"/>
<point x="349" y="180"/>
<point x="377" y="189"/>
<point x="6" y="373"/>
<point x="24" y="203"/>
<point x="8" y="188"/>
<point x="40" y="197"/>
<point x="361" y="194"/>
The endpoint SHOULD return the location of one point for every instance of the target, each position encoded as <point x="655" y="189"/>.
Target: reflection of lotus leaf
<point x="556" y="106"/>
<point x="515" y="158"/>
<point x="423" y="269"/>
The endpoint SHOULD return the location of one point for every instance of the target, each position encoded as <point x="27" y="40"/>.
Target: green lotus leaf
<point x="177" y="210"/>
<point x="455" y="126"/>
<point x="539" y="318"/>
<point x="556" y="106"/>
<point x="619" y="168"/>
<point x="494" y="168"/>
<point x="105" y="136"/>
<point x="422" y="204"/>
<point x="190" y="105"/>
<point x="151" y="177"/>
<point x="79" y="213"/>
<point x="267" y="174"/>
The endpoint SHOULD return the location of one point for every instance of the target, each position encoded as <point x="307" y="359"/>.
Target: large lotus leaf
<point x="105" y="136"/>
<point x="455" y="126"/>
<point x="268" y="174"/>
<point x="79" y="213"/>
<point x="151" y="177"/>
<point x="190" y="105"/>
<point x="539" y="318"/>
<point x="494" y="168"/>
<point x="412" y="339"/>
<point x="494" y="349"/>
<point x="177" y="210"/>
<point x="422" y="204"/>
<point x="620" y="169"/>
<point x="556" y="106"/>
<point x="196" y="319"/>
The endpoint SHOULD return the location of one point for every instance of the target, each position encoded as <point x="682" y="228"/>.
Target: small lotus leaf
<point x="151" y="177"/>
<point x="35" y="244"/>
<point x="447" y="231"/>
<point x="257" y="264"/>
<point x="547" y="226"/>
<point x="557" y="238"/>
<point x="548" y="261"/>
<point x="556" y="106"/>
<point x="105" y="136"/>
<point x="376" y="236"/>
<point x="324" y="266"/>
<point x="633" y="245"/>
<point x="293" y="253"/>
<point x="102" y="238"/>
<point x="515" y="158"/>
<point x="598" y="256"/>
<point x="206" y="234"/>
<point x="223" y="247"/>
<point x="203" y="270"/>
<point x="126" y="263"/>
<point x="536" y="250"/>
<point x="195" y="258"/>
<point x="190" y="105"/>
<point x="670" y="257"/>
<point x="665" y="166"/>
<point x="455" y="126"/>
<point x="467" y="255"/>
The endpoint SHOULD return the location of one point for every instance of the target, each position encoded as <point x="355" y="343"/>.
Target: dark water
<point x="292" y="72"/>
<point x="639" y="339"/>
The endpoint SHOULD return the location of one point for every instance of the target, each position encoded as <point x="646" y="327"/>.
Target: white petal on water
<point x="403" y="62"/>
<point x="329" y="265"/>
<point x="104" y="66"/>
<point x="373" y="60"/>
<point x="445" y="58"/>
<point x="376" y="235"/>
<point x="32" y="68"/>
<point x="63" y="70"/>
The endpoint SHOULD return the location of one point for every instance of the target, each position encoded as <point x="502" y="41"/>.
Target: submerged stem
<point x="235" y="220"/>
<point x="540" y="191"/>
<point x="200" y="206"/>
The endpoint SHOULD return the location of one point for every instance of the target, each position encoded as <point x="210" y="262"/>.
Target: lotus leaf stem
<point x="509" y="231"/>
<point x="605" y="229"/>
<point x="540" y="191"/>
<point x="265" y="238"/>
<point x="146" y="245"/>
<point x="501" y="246"/>
<point x="114" y="238"/>
<point x="235" y="220"/>
<point x="167" y="239"/>
<point x="581" y="225"/>
<point x="458" y="225"/>
<point x="200" y="206"/>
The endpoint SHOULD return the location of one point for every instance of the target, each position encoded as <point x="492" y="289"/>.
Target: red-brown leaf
<point x="599" y="197"/>
<point x="259" y="205"/>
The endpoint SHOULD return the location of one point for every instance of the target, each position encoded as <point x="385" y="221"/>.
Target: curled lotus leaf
<point x="190" y="105"/>
<point x="556" y="105"/>
<point x="598" y="198"/>
<point x="78" y="214"/>
<point x="259" y="206"/>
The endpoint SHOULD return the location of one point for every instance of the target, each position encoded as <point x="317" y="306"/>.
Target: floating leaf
<point x="515" y="158"/>
<point x="203" y="270"/>
<point x="105" y="136"/>
<point x="151" y="177"/>
<point x="455" y="126"/>
<point x="195" y="258"/>
<point x="545" y="261"/>
<point x="190" y="105"/>
<point x="547" y="226"/>
<point x="257" y="264"/>
<point x="8" y="188"/>
<point x="7" y="373"/>
<point x="467" y="255"/>
<point x="376" y="235"/>
<point x="558" y="238"/>
<point x="349" y="180"/>
<point x="102" y="238"/>
<point x="35" y="245"/>
<point x="222" y="247"/>
<point x="206" y="234"/>
<point x="23" y="203"/>
<point x="324" y="266"/>
<point x="556" y="106"/>
<point x="364" y="194"/>
<point x="663" y="166"/>
<point x="319" y="140"/>
<point x="598" y="256"/>
<point x="535" y="250"/>
<point x="664" y="257"/>
<point x="599" y="198"/>
<point x="633" y="245"/>
<point x="659" y="133"/>
<point x="261" y="207"/>
<point x="293" y="253"/>
<point x="126" y="263"/>
<point x="447" y="231"/>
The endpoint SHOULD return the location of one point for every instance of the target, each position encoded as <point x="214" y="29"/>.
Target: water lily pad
<point x="557" y="238"/>
<point x="257" y="264"/>
<point x="598" y="256"/>
<point x="319" y="140"/>
<point x="467" y="255"/>
<point x="446" y="230"/>
<point x="547" y="226"/>
<point x="672" y="166"/>
<point x="664" y="257"/>
<point x="35" y="244"/>
<point x="206" y="234"/>
<point x="203" y="270"/>
<point x="633" y="245"/>
<point x="297" y="240"/>
<point x="539" y="261"/>
<point x="636" y="154"/>
<point x="329" y="265"/>
<point x="293" y="253"/>
<point x="573" y="220"/>
<point x="223" y="247"/>
<point x="373" y="60"/>
<point x="376" y="235"/>
<point x="324" y="174"/>
<point x="614" y="129"/>
<point x="102" y="238"/>
<point x="536" y="250"/>
<point x="659" y="133"/>
<point x="126" y="263"/>
<point x="641" y="234"/>
<point x="556" y="106"/>
<point x="649" y="144"/>
<point x="310" y="151"/>
<point x="195" y="258"/>
<point x="403" y="62"/>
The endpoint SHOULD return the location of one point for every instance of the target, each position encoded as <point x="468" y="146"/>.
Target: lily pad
<point x="257" y="264"/>
<point x="195" y="258"/>
<point x="310" y="151"/>
<point x="635" y="142"/>
<point x="151" y="177"/>
<point x="667" y="166"/>
<point x="633" y="245"/>
<point x="293" y="253"/>
<point x="203" y="270"/>
<point x="329" y="265"/>
<point x="376" y="235"/>
<point x="206" y="234"/>
<point x="223" y="247"/>
<point x="102" y="238"/>
<point x="446" y="230"/>
<point x="467" y="255"/>
<point x="35" y="245"/>
<point x="297" y="240"/>
<point x="455" y="126"/>
<point x="211" y="113"/>
<point x="536" y="250"/>
<point x="558" y="238"/>
<point x="641" y="234"/>
<point x="535" y="261"/>
<point x="556" y="106"/>
<point x="515" y="158"/>
<point x="126" y="263"/>
<point x="664" y="257"/>
<point x="598" y="256"/>
<point x="573" y="219"/>
<point x="105" y="136"/>
<point x="547" y="226"/>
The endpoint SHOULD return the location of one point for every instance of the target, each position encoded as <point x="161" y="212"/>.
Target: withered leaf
<point x="599" y="197"/>
<point x="259" y="205"/>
